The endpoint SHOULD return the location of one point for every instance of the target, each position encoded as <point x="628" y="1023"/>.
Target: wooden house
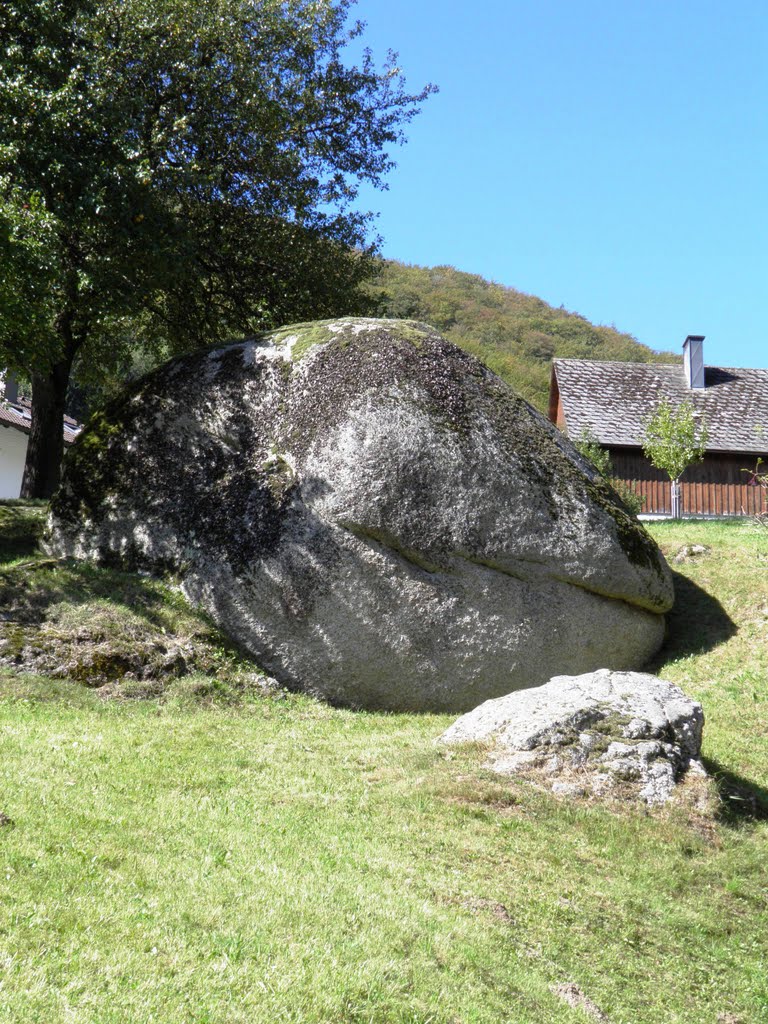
<point x="15" y="424"/>
<point x="612" y="401"/>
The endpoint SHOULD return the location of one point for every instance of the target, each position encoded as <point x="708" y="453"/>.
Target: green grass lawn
<point x="218" y="855"/>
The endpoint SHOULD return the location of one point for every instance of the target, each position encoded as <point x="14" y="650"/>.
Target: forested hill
<point x="515" y="334"/>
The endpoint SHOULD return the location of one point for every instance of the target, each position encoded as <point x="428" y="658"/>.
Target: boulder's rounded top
<point x="296" y="340"/>
<point x="397" y="434"/>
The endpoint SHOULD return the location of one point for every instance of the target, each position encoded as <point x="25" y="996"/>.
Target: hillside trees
<point x="513" y="333"/>
<point x="172" y="173"/>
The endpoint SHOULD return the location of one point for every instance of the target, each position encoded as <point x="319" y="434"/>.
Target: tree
<point x="674" y="440"/>
<point x="758" y="477"/>
<point x="588" y="445"/>
<point x="175" y="173"/>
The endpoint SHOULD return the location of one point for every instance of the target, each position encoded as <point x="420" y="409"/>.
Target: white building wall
<point x="13" y="453"/>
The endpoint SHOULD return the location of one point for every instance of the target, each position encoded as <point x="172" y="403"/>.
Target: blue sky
<point x="611" y="157"/>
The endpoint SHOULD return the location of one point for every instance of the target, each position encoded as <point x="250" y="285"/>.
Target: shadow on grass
<point x="21" y="527"/>
<point x="92" y="606"/>
<point x="697" y="623"/>
<point x="741" y="801"/>
<point x="27" y="590"/>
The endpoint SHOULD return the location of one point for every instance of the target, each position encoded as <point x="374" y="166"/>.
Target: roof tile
<point x="614" y="400"/>
<point x="19" y="414"/>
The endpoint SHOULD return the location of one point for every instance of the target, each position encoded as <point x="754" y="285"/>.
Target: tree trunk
<point x="45" y="451"/>
<point x="677" y="512"/>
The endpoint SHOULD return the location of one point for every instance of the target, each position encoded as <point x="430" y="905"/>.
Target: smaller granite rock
<point x="602" y="733"/>
<point x="691" y="551"/>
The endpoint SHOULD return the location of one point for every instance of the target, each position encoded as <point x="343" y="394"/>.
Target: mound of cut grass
<point x="129" y="635"/>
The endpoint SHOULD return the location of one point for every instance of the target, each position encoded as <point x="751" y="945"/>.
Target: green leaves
<point x="674" y="438"/>
<point x="174" y="173"/>
<point x="196" y="165"/>
<point x="28" y="263"/>
<point x="588" y="446"/>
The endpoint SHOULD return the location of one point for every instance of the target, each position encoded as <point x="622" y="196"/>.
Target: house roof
<point x="613" y="400"/>
<point x="19" y="414"/>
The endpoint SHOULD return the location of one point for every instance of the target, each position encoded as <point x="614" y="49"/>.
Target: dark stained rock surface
<point x="372" y="513"/>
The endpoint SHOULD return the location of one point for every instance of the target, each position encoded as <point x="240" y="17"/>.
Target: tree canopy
<point x="674" y="439"/>
<point x="173" y="173"/>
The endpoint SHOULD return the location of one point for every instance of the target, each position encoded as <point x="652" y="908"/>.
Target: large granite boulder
<point x="372" y="513"/>
<point x="601" y="733"/>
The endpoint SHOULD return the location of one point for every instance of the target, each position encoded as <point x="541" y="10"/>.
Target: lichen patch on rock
<point x="598" y="734"/>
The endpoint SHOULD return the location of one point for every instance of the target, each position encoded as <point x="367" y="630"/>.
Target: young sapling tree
<point x="674" y="439"/>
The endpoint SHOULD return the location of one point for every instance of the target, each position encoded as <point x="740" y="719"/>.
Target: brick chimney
<point x="693" y="360"/>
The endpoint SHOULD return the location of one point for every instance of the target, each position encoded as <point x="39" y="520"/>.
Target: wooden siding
<point x="717" y="486"/>
<point x="556" y="411"/>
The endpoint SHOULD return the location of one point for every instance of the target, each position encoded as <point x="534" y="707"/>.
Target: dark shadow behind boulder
<point x="696" y="623"/>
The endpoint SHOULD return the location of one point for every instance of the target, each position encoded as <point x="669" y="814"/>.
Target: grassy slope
<point x="72" y="621"/>
<point x="515" y="334"/>
<point x="276" y="860"/>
